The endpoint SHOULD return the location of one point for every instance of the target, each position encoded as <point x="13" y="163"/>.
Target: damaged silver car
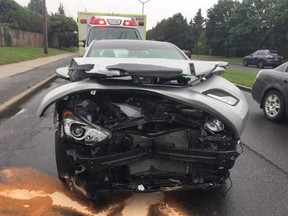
<point x="142" y="116"/>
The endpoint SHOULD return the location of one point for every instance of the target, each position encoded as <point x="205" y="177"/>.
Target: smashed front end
<point x="140" y="141"/>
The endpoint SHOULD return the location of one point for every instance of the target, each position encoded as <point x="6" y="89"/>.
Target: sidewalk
<point x="20" y="80"/>
<point x="20" y="67"/>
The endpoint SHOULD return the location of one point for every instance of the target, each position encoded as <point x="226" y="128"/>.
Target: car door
<point x="279" y="80"/>
<point x="253" y="58"/>
<point x="285" y="85"/>
<point x="258" y="57"/>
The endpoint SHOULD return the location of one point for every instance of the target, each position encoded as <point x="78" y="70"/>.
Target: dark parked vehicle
<point x="270" y="90"/>
<point x="262" y="58"/>
<point x="141" y="116"/>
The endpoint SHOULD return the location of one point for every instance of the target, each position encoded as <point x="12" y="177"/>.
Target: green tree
<point x="175" y="30"/>
<point x="62" y="27"/>
<point x="277" y="34"/>
<point x="61" y="9"/>
<point x="158" y="32"/>
<point x="36" y="6"/>
<point x="15" y="16"/>
<point x="178" y="32"/>
<point x="198" y="25"/>
<point x="249" y="25"/>
<point x="197" y="29"/>
<point x="217" y="29"/>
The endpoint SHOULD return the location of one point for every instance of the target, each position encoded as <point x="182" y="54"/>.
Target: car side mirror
<point x="187" y="53"/>
<point x="63" y="73"/>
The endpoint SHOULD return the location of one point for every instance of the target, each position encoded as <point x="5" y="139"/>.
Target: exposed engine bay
<point x="139" y="141"/>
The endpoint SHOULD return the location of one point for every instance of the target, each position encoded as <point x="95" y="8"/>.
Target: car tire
<point x="245" y="64"/>
<point x="260" y="65"/>
<point x="273" y="106"/>
<point x="62" y="160"/>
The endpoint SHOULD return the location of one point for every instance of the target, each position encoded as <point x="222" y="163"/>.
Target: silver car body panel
<point x="233" y="116"/>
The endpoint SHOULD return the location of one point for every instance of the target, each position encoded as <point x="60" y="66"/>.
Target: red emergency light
<point x="97" y="21"/>
<point x="129" y="23"/>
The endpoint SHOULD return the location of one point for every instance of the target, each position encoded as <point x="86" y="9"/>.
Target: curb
<point x="244" y="88"/>
<point x="21" y="97"/>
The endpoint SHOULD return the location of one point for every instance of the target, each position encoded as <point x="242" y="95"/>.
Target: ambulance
<point x="101" y="26"/>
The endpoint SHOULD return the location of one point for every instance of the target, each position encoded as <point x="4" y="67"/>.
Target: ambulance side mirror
<point x="82" y="43"/>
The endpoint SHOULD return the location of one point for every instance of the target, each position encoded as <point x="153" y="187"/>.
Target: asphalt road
<point x="250" y="67"/>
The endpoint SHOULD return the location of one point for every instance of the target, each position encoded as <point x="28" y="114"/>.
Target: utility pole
<point x="45" y="39"/>
<point x="143" y="3"/>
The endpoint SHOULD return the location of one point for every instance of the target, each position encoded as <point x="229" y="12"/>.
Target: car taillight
<point x="129" y="23"/>
<point x="97" y="21"/>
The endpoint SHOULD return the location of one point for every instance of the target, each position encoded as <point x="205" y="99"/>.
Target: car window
<point x="275" y="55"/>
<point x="124" y="53"/>
<point x="286" y="70"/>
<point x="260" y="53"/>
<point x="119" y="51"/>
<point x="97" y="33"/>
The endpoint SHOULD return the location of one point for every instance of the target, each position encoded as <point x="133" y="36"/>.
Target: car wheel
<point x="245" y="63"/>
<point x="273" y="106"/>
<point x="260" y="64"/>
<point x="62" y="160"/>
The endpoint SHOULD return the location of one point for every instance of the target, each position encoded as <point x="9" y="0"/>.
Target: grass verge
<point x="235" y="60"/>
<point x="241" y="77"/>
<point x="237" y="76"/>
<point x="17" y="54"/>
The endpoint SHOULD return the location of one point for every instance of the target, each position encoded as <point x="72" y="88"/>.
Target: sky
<point x="155" y="10"/>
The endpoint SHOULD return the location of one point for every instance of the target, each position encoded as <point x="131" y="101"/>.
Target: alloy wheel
<point x="245" y="63"/>
<point x="260" y="64"/>
<point x="272" y="105"/>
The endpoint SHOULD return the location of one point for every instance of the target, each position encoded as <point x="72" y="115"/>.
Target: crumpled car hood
<point x="100" y="64"/>
<point x="234" y="116"/>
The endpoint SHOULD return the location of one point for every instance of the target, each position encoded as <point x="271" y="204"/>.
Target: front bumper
<point x="272" y="63"/>
<point x="219" y="158"/>
<point x="153" y="179"/>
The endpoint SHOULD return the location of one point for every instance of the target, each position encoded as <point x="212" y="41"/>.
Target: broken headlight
<point x="214" y="126"/>
<point x="82" y="130"/>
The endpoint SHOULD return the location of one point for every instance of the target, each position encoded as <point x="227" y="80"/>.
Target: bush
<point x="7" y="36"/>
<point x="15" y="16"/>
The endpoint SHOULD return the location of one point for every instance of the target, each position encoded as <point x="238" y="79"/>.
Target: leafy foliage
<point x="175" y="30"/>
<point x="61" y="9"/>
<point x="198" y="32"/>
<point x="277" y="21"/>
<point x="18" y="17"/>
<point x="36" y="6"/>
<point x="232" y="28"/>
<point x="63" y="27"/>
<point x="217" y="28"/>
